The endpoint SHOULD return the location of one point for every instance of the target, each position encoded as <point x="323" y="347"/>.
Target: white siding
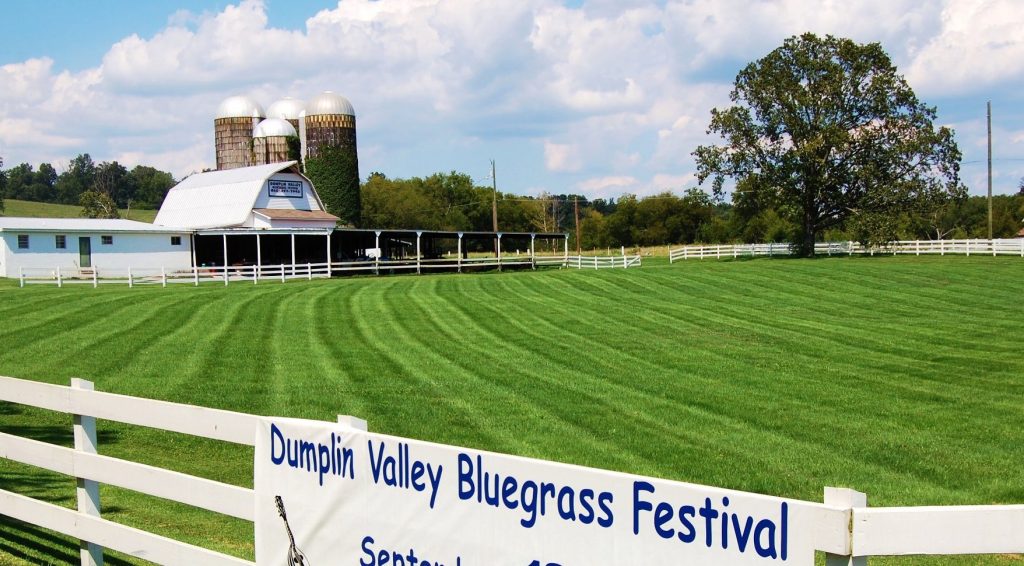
<point x="307" y="202"/>
<point x="127" y="250"/>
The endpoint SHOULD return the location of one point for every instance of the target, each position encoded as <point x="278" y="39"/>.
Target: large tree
<point x="827" y="132"/>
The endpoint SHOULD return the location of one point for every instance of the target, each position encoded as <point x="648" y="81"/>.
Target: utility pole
<point x="576" y="202"/>
<point x="989" y="169"/>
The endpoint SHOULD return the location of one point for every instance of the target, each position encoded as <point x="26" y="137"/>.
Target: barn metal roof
<point x="218" y="199"/>
<point x="17" y="224"/>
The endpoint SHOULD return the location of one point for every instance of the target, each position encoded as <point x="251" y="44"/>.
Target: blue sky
<point x="596" y="97"/>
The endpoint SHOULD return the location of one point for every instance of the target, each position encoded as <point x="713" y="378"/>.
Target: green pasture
<point x="30" y="209"/>
<point x="900" y="377"/>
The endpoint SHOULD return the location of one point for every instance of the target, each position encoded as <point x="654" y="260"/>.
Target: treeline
<point x="451" y="201"/>
<point x="98" y="187"/>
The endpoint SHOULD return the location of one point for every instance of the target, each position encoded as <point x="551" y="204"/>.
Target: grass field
<point x="25" y="208"/>
<point x="900" y="377"/>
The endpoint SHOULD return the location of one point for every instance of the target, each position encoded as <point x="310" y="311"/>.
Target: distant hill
<point x="47" y="210"/>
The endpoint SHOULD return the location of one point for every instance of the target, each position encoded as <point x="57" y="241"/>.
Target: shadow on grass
<point x="37" y="545"/>
<point x="57" y="434"/>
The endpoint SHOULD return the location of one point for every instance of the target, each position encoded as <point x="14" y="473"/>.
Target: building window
<point x="22" y="241"/>
<point x="175" y="240"/>
<point x="106" y="240"/>
<point x="60" y="241"/>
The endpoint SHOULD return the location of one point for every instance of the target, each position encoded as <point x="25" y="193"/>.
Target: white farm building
<point x="261" y="215"/>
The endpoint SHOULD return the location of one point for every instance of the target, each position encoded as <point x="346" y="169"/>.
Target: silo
<point x="330" y="159"/>
<point x="330" y="122"/>
<point x="236" y="118"/>
<point x="270" y="141"/>
<point x="287" y="108"/>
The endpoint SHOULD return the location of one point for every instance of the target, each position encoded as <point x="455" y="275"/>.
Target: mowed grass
<point x="900" y="377"/>
<point x="30" y="209"/>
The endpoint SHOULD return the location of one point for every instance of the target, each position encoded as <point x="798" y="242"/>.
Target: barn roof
<point x="218" y="199"/>
<point x="17" y="224"/>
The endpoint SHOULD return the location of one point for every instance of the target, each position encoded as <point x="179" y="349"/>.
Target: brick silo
<point x="270" y="141"/>
<point x="330" y="159"/>
<point x="330" y="121"/>
<point x="236" y="118"/>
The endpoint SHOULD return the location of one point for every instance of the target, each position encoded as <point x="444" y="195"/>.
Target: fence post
<point x="60" y="281"/>
<point x="255" y="275"/>
<point x="352" y="422"/>
<point x="282" y="271"/>
<point x="942" y="247"/>
<point x="917" y="247"/>
<point x="1022" y="247"/>
<point x="95" y="271"/>
<point x="195" y="275"/>
<point x="88" y="490"/>
<point x="309" y="271"/>
<point x="130" y="277"/>
<point x="163" y="276"/>
<point x="225" y="274"/>
<point x="993" y="244"/>
<point x="849" y="498"/>
<point x="21" y="270"/>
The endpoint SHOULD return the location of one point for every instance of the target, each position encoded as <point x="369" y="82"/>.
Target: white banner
<point x="357" y="498"/>
<point x="289" y="189"/>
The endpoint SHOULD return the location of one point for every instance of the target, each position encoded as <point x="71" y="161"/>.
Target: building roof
<point x="273" y="127"/>
<point x="240" y="107"/>
<point x="288" y="108"/>
<point x="289" y="214"/>
<point x="218" y="199"/>
<point x="329" y="103"/>
<point x="17" y="224"/>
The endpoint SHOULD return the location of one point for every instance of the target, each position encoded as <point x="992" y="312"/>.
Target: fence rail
<point x="97" y="276"/>
<point x="1010" y="247"/>
<point x="951" y="530"/>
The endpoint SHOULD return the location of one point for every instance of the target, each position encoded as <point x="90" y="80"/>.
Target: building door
<point x="84" y="252"/>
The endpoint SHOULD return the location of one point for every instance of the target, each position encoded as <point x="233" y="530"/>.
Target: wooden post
<point x="95" y="281"/>
<point x="848" y="498"/>
<point x="130" y="277"/>
<point x="499" y="249"/>
<point x="329" y="255"/>
<point x="225" y="238"/>
<point x="352" y="422"/>
<point x="942" y="247"/>
<point x="418" y="270"/>
<point x="60" y="280"/>
<point x="195" y="274"/>
<point x="259" y="258"/>
<point x="293" y="257"/>
<point x="376" y="246"/>
<point x="309" y="271"/>
<point x="255" y="275"/>
<point x="917" y="247"/>
<point x="21" y="271"/>
<point x="88" y="491"/>
<point x="163" y="276"/>
<point x="460" y="252"/>
<point x="282" y="270"/>
<point x="968" y="248"/>
<point x="533" y="251"/>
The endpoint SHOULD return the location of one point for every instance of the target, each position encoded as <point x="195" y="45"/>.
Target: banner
<point x="351" y="497"/>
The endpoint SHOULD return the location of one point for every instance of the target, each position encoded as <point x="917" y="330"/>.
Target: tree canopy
<point x="826" y="131"/>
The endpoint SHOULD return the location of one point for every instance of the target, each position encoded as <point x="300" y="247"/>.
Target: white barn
<point x="82" y="245"/>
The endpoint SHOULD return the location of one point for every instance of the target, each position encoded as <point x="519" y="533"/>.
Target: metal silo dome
<point x="240" y="107"/>
<point x="273" y="127"/>
<point x="287" y="108"/>
<point x="329" y="103"/>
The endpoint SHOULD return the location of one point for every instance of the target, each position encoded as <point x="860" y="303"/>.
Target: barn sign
<point x="338" y="495"/>
<point x="288" y="189"/>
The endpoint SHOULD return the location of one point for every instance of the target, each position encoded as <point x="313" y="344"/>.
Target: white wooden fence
<point x="988" y="529"/>
<point x="1010" y="247"/>
<point x="592" y="262"/>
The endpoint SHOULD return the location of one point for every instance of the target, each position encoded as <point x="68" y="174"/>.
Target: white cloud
<point x="561" y="157"/>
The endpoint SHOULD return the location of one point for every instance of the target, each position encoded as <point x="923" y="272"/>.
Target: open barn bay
<point x="900" y="377"/>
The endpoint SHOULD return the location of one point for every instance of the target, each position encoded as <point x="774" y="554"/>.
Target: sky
<point x="598" y="98"/>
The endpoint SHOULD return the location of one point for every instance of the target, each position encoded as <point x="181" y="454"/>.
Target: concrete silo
<point x="270" y="141"/>
<point x="233" y="127"/>
<point x="331" y="161"/>
<point x="330" y="121"/>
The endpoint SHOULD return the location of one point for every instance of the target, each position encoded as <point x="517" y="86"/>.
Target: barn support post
<point x="460" y="252"/>
<point x="850" y="499"/>
<point x="499" y="250"/>
<point x="328" y="254"/>
<point x="224" y="237"/>
<point x="533" y="251"/>
<point x="259" y="259"/>
<point x="88" y="491"/>
<point x="376" y="246"/>
<point x="293" y="255"/>
<point x="418" y="270"/>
